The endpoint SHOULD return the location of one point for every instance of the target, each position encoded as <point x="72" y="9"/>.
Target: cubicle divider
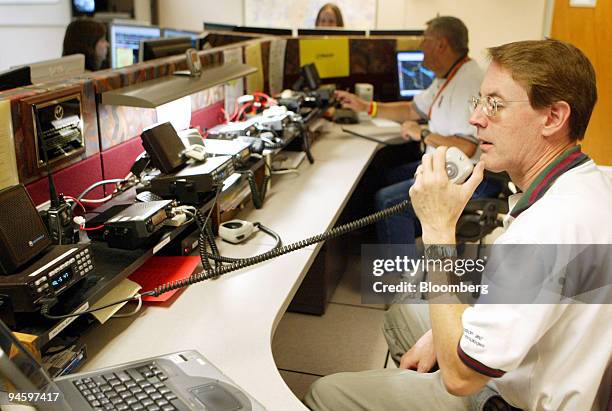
<point x="111" y="132"/>
<point x="371" y="60"/>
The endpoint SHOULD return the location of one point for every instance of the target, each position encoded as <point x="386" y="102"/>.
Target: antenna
<point x="55" y="201"/>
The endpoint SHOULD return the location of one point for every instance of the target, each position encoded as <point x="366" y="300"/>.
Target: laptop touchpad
<point x="216" y="398"/>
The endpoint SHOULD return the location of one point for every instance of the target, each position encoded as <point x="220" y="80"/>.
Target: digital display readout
<point x="61" y="279"/>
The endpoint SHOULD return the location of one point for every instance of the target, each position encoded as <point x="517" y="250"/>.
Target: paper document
<point x="160" y="270"/>
<point x="255" y="81"/>
<point x="383" y="122"/>
<point x="124" y="289"/>
<point x="8" y="163"/>
<point x="331" y="56"/>
<point x="234" y="88"/>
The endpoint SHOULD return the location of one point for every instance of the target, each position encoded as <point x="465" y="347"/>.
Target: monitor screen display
<point x="158" y="48"/>
<point x="125" y="42"/>
<point x="264" y="30"/>
<point x="412" y="76"/>
<point x="84" y="6"/>
<point x="15" y="77"/>
<point x="219" y="27"/>
<point x="193" y="35"/>
<point x="330" y="31"/>
<point x="181" y="33"/>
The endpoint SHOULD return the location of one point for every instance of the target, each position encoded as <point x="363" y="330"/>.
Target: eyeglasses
<point x="490" y="105"/>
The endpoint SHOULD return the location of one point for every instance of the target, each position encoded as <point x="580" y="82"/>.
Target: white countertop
<point x="232" y="320"/>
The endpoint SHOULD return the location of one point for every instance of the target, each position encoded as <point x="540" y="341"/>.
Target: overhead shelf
<point x="154" y="93"/>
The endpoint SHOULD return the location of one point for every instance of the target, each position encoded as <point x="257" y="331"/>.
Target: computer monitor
<point x="57" y="69"/>
<point x="16" y="77"/>
<point x="193" y="35"/>
<point x="20" y="368"/>
<point x="83" y="7"/>
<point x="218" y="27"/>
<point x="264" y="30"/>
<point x="180" y="33"/>
<point x="158" y="48"/>
<point x="412" y="76"/>
<point x="125" y="42"/>
<point x="395" y="33"/>
<point x="330" y="32"/>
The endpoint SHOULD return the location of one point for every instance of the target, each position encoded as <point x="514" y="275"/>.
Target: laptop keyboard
<point x="138" y="388"/>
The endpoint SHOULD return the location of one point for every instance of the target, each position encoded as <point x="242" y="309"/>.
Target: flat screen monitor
<point x="218" y="27"/>
<point x="158" y="48"/>
<point x="125" y="42"/>
<point x="83" y="7"/>
<point x="264" y="30"/>
<point x="330" y="32"/>
<point x="180" y="33"/>
<point x="396" y="33"/>
<point x="16" y="77"/>
<point x="193" y="35"/>
<point x="412" y="76"/>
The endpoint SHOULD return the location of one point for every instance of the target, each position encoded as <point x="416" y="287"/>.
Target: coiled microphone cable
<point x="218" y="271"/>
<point x="257" y="196"/>
<point x="268" y="255"/>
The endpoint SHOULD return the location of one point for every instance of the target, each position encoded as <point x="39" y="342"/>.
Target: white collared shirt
<point x="555" y="356"/>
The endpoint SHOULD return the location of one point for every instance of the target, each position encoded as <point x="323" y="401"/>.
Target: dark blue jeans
<point x="404" y="227"/>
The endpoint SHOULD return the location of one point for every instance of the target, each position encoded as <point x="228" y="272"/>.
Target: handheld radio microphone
<point x="59" y="214"/>
<point x="458" y="165"/>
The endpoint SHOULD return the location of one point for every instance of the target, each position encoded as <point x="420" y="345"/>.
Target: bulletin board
<point x="357" y="14"/>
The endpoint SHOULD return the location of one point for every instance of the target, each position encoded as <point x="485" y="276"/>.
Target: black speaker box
<point x="23" y="235"/>
<point x="164" y="147"/>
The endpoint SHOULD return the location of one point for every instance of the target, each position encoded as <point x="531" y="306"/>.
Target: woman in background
<point x="329" y="16"/>
<point x="87" y="37"/>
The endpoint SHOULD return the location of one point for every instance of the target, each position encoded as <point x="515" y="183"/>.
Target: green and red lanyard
<point x="449" y="76"/>
<point x="569" y="159"/>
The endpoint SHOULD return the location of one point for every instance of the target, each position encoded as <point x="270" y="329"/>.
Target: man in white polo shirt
<point x="443" y="105"/>
<point x="534" y="105"/>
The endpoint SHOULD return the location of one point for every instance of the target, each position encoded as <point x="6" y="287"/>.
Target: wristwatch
<point x="424" y="133"/>
<point x="440" y="252"/>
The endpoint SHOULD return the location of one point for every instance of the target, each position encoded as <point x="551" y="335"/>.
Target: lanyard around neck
<point x="449" y="77"/>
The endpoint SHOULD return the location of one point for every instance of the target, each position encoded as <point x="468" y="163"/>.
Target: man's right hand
<point x="351" y="101"/>
<point x="411" y="131"/>
<point x="422" y="356"/>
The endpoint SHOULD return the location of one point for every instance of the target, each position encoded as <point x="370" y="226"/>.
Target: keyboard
<point x="138" y="388"/>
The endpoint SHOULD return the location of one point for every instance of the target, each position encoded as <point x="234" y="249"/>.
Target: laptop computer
<point x="180" y="381"/>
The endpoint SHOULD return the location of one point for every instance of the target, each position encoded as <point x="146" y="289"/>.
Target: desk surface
<point x="232" y="320"/>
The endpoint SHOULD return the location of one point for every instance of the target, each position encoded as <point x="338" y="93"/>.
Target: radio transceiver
<point x="192" y="184"/>
<point x="49" y="276"/>
<point x="133" y="227"/>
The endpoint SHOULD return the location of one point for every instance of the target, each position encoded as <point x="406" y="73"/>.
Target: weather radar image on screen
<point x="412" y="76"/>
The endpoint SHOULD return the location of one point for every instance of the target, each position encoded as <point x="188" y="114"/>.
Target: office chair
<point x="482" y="215"/>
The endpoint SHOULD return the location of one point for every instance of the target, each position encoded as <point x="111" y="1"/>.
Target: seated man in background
<point x="534" y="105"/>
<point x="443" y="105"/>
